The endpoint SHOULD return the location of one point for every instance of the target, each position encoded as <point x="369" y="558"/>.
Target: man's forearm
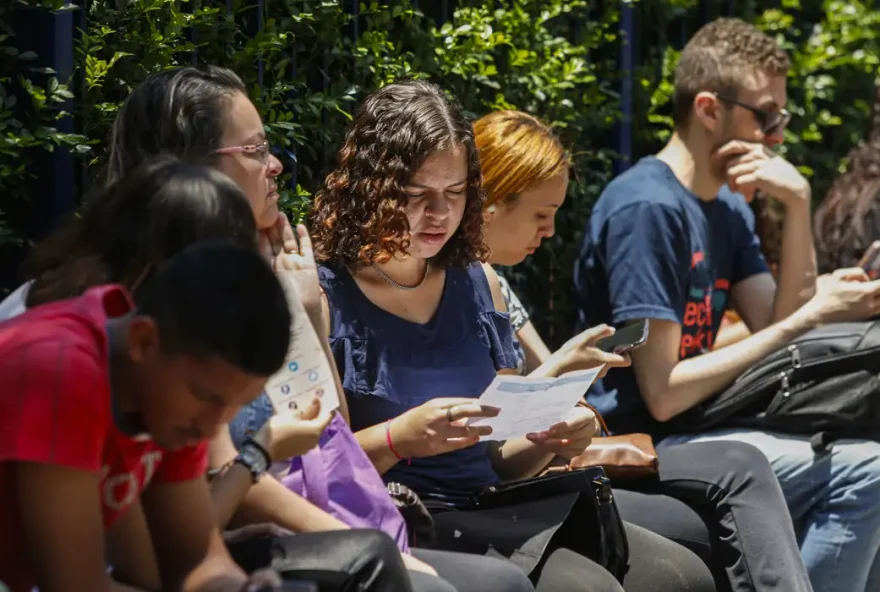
<point x="694" y="380"/>
<point x="270" y="501"/>
<point x="228" y="489"/>
<point x="796" y="283"/>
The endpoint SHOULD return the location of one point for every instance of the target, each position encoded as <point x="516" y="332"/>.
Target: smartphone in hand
<point x="870" y="261"/>
<point x="625" y="339"/>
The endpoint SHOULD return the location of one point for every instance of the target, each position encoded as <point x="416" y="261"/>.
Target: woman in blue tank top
<point x="419" y="327"/>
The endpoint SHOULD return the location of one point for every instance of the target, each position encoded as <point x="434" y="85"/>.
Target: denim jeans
<point x="833" y="497"/>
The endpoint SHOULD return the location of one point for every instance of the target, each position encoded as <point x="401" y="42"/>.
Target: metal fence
<point x="52" y="36"/>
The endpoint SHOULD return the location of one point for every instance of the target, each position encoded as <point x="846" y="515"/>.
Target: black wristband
<point x="259" y="447"/>
<point x="254" y="458"/>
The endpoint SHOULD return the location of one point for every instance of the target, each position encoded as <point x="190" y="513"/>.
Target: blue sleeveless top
<point x="389" y="365"/>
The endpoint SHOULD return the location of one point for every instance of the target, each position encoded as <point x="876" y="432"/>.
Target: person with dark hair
<point x="113" y="239"/>
<point x="848" y="219"/>
<point x="417" y="319"/>
<point x="242" y="491"/>
<point x="105" y="401"/>
<point x="673" y="240"/>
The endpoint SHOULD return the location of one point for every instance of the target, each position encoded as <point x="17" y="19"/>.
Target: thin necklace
<point x="385" y="277"/>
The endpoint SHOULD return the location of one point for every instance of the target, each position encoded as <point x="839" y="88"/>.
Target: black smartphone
<point x="871" y="260"/>
<point x="625" y="339"/>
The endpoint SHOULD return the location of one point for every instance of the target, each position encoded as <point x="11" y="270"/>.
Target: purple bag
<point x="339" y="478"/>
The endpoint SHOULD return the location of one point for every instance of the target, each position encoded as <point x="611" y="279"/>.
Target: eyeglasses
<point x="259" y="151"/>
<point x="771" y="122"/>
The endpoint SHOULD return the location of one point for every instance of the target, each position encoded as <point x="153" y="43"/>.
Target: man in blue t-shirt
<point x="673" y="240"/>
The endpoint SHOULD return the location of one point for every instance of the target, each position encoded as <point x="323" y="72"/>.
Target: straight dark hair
<point x="180" y="111"/>
<point x="127" y="230"/>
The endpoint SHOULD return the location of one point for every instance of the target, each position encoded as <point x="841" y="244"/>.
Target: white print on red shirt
<point x="120" y="490"/>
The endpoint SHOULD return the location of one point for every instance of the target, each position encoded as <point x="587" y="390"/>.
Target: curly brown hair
<point x="848" y="219"/>
<point x="717" y="57"/>
<point x="359" y="215"/>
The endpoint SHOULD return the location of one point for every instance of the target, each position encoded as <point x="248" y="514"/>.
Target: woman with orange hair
<point x="525" y="176"/>
<point x="731" y="487"/>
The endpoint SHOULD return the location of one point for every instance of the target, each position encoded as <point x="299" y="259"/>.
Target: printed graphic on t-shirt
<point x="706" y="301"/>
<point x="119" y="490"/>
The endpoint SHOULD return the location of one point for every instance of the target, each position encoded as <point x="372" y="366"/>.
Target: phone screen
<point x="626" y="338"/>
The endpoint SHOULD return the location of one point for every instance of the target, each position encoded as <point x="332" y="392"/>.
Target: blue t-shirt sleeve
<point x="747" y="258"/>
<point x="646" y="255"/>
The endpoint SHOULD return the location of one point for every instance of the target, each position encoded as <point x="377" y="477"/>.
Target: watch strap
<point x="254" y="458"/>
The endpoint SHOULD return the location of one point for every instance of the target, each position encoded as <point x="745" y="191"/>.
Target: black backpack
<point x="825" y="384"/>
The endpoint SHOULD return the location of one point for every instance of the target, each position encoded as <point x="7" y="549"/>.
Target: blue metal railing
<point x="627" y="62"/>
<point x="52" y="37"/>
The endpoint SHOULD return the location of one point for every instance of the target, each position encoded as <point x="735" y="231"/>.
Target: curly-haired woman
<point x="417" y="319"/>
<point x="848" y="219"/>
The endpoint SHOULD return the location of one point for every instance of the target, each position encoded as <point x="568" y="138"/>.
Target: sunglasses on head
<point x="771" y="122"/>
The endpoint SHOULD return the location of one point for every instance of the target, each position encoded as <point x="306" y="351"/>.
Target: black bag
<point x="596" y="512"/>
<point x="357" y="560"/>
<point x="824" y="384"/>
<point x="419" y="523"/>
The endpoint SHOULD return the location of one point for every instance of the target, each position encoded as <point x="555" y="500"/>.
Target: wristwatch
<point x="254" y="458"/>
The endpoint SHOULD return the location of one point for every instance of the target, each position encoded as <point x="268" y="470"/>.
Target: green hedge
<point x="554" y="58"/>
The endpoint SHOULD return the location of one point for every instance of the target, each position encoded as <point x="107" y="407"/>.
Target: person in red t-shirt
<point x="98" y="395"/>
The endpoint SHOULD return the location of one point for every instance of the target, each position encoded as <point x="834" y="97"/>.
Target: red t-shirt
<point x="55" y="408"/>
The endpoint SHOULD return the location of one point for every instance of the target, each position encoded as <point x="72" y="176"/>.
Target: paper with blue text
<point x="530" y="405"/>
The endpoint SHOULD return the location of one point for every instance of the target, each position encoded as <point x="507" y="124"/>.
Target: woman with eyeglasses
<point x="208" y="118"/>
